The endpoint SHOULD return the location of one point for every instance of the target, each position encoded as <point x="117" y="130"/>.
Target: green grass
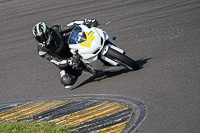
<point x="31" y="127"/>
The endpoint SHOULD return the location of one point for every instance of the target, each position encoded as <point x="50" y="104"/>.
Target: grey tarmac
<point x="162" y="36"/>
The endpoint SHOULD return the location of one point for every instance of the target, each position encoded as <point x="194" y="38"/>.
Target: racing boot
<point x="91" y="70"/>
<point x="83" y="67"/>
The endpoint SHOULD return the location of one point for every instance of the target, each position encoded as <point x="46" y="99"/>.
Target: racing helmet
<point x="42" y="33"/>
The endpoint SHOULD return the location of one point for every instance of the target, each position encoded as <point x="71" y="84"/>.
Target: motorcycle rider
<point x="52" y="45"/>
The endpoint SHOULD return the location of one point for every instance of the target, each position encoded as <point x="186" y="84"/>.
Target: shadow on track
<point x="141" y="62"/>
<point x="102" y="75"/>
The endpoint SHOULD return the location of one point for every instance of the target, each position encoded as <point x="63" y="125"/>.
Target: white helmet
<point x="42" y="34"/>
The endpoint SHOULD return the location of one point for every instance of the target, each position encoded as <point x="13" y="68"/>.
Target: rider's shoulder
<point x="55" y="27"/>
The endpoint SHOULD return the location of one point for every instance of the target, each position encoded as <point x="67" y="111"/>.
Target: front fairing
<point x="88" y="41"/>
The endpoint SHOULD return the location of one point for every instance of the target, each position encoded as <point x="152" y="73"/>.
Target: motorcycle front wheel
<point x="122" y="59"/>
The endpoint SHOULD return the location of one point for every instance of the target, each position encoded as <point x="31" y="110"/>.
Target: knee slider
<point x="65" y="80"/>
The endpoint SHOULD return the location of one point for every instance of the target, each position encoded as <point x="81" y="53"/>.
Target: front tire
<point x="122" y="59"/>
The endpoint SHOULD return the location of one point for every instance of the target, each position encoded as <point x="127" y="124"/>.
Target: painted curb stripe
<point x="82" y="115"/>
<point x="85" y="116"/>
<point x="114" y="129"/>
<point x="30" y="109"/>
<point x="104" y="122"/>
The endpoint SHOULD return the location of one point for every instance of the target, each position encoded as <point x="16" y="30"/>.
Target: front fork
<point x="105" y="50"/>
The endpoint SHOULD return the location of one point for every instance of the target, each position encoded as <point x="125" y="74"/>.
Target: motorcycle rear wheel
<point x="122" y="59"/>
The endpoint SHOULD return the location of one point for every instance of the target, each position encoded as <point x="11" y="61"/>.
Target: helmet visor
<point x="44" y="38"/>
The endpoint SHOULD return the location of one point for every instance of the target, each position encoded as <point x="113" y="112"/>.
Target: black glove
<point x="75" y="61"/>
<point x="91" y="22"/>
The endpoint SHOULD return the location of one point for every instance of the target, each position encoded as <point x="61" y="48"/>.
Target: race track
<point x="162" y="36"/>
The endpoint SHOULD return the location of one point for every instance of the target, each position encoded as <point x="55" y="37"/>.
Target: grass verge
<point x="31" y="127"/>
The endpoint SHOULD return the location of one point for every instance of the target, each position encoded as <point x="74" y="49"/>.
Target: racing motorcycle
<point x="97" y="50"/>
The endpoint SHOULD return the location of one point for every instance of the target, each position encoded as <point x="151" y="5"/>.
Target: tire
<point x="122" y="59"/>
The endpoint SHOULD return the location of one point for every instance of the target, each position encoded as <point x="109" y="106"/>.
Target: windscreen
<point x="77" y="36"/>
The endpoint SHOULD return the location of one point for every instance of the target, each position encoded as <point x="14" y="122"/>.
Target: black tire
<point x="122" y="59"/>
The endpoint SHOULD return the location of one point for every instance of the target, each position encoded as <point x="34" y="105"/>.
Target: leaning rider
<point x="52" y="45"/>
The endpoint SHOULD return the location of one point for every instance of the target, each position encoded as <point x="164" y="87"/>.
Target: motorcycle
<point x="98" y="50"/>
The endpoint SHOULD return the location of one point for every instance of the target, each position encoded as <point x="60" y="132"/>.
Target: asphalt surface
<point x="162" y="36"/>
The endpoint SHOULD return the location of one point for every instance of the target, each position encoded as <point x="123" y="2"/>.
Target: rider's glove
<point x="91" y="22"/>
<point x="74" y="62"/>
